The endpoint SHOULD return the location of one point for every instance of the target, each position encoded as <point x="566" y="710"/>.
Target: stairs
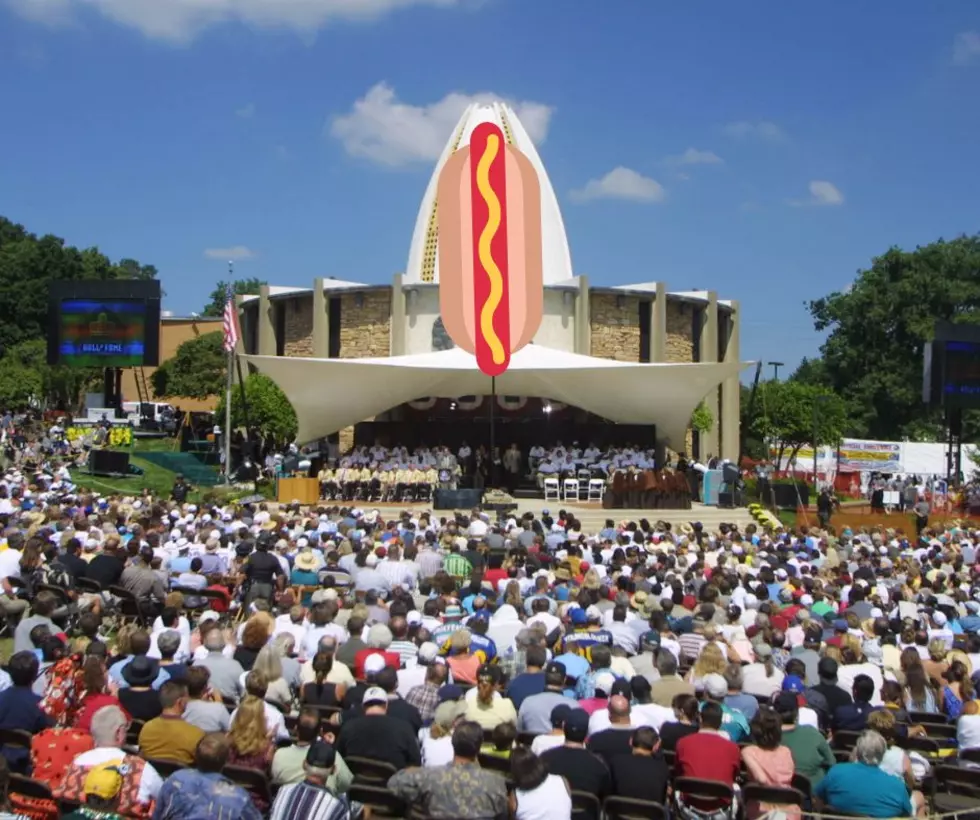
<point x="189" y="465"/>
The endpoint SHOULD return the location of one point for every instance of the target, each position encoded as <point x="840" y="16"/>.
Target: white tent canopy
<point x="331" y="394"/>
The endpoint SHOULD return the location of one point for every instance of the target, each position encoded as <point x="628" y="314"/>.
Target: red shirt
<point x="90" y="705"/>
<point x="392" y="659"/>
<point x="217" y="605"/>
<point x="494" y="576"/>
<point x="708" y="756"/>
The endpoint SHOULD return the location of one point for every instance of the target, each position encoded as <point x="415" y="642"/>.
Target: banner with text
<point x="857" y="455"/>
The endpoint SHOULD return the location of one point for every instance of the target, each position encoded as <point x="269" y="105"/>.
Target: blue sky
<point x="771" y="149"/>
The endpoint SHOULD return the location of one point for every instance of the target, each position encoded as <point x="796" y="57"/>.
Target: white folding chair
<point x="571" y="489"/>
<point x="552" y="490"/>
<point x="596" y="488"/>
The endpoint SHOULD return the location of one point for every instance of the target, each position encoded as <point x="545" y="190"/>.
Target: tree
<point x="61" y="387"/>
<point x="701" y="418"/>
<point x="197" y="370"/>
<point x="877" y="328"/>
<point x="28" y="263"/>
<point x="269" y="411"/>
<point x="788" y="412"/>
<point x="242" y="287"/>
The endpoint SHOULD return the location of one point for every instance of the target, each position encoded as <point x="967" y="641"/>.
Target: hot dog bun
<point x="490" y="270"/>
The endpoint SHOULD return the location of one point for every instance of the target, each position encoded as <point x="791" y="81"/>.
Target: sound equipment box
<point x="456" y="499"/>
<point x="729" y="473"/>
<point x="108" y="462"/>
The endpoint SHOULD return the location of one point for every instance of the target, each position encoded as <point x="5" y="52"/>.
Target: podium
<point x="304" y="490"/>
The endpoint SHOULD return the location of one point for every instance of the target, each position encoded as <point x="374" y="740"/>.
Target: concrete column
<point x="731" y="392"/>
<point x="398" y="319"/>
<point x="583" y="318"/>
<point x="242" y="328"/>
<point x="321" y="321"/>
<point x="709" y="355"/>
<point x="267" y="324"/>
<point x="658" y="325"/>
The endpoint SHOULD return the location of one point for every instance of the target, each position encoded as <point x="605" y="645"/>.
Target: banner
<point x="857" y="455"/>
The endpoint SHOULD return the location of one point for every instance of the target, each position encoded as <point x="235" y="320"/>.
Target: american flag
<point x="230" y="325"/>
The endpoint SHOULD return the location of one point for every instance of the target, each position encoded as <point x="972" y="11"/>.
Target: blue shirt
<point x="20" y="709"/>
<point x="193" y="795"/>
<point x="860" y="789"/>
<point x="525" y="685"/>
<point x="180" y="564"/>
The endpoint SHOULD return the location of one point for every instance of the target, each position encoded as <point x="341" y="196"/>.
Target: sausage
<point x="491" y="289"/>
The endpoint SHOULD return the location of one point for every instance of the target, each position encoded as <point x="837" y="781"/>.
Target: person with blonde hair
<point x="711" y="661"/>
<point x="269" y="663"/>
<point x="463" y="662"/>
<point x="250" y="744"/>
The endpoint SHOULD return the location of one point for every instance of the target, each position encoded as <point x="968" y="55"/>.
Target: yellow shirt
<point x="169" y="738"/>
<point x="365" y="474"/>
<point x="500" y="710"/>
<point x="431" y="475"/>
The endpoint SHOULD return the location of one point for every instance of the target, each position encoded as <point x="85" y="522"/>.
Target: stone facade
<point x="615" y="330"/>
<point x="298" y="327"/>
<point x="680" y="334"/>
<point x="365" y="331"/>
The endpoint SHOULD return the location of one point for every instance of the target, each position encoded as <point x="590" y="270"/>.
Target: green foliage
<point x="877" y="328"/>
<point x="197" y="370"/>
<point x="28" y="263"/>
<point x="789" y="412"/>
<point x="702" y="419"/>
<point x="25" y="370"/>
<point x="242" y="287"/>
<point x="269" y="411"/>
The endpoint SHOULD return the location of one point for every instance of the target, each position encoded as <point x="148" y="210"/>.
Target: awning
<point x="331" y="394"/>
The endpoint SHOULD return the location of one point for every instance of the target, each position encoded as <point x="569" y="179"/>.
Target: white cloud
<point x="385" y="130"/>
<point x="621" y="183"/>
<point x="763" y="130"/>
<point x="821" y="193"/>
<point x="236" y="253"/>
<point x="692" y="156"/>
<point x="246" y="112"/>
<point x="966" y="47"/>
<point x="179" y="21"/>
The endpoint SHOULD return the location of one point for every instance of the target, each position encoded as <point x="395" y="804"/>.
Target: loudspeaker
<point x="108" y="462"/>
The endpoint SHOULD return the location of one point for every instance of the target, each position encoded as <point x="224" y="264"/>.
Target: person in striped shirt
<point x="311" y="799"/>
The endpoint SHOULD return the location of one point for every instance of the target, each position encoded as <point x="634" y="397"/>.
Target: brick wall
<point x="365" y="331"/>
<point x="615" y="331"/>
<point x="298" y="331"/>
<point x="680" y="341"/>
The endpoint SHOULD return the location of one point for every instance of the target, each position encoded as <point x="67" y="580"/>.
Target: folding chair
<point x="88" y="585"/>
<point x="494" y="763"/>
<point x="844" y="741"/>
<point x="571" y="489"/>
<point x="695" y="790"/>
<point x="632" y="808"/>
<point x="552" y="491"/>
<point x="955" y="788"/>
<point x="252" y="780"/>
<point x="128" y="606"/>
<point x="366" y="769"/>
<point x="165" y="768"/>
<point x="585" y="806"/>
<point x="596" y="488"/>
<point x="776" y="795"/>
<point x="923" y="718"/>
<point x="382" y="801"/>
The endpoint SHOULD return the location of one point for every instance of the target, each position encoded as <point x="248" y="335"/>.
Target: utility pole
<point x="775" y="369"/>
<point x="229" y="295"/>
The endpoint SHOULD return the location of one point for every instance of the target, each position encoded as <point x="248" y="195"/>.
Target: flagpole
<point x="229" y="294"/>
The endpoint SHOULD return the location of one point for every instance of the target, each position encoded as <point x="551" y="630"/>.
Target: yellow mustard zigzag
<point x="486" y="258"/>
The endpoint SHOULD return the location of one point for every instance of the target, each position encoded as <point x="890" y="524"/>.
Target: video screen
<point x="961" y="375"/>
<point x="102" y="332"/>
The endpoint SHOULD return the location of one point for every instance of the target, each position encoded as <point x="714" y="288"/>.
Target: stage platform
<point x="593" y="517"/>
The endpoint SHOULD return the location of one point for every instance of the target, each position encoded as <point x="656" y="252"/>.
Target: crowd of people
<point x="182" y="661"/>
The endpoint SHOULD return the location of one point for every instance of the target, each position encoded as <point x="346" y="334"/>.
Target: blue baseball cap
<point x="794" y="684"/>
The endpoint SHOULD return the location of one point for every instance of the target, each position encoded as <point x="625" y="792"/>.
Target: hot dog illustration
<point x="491" y="289"/>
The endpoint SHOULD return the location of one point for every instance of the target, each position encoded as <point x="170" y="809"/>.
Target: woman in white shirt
<point x="436" y="741"/>
<point x="537" y="795"/>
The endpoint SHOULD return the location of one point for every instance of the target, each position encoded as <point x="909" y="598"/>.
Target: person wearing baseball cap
<point x="573" y="761"/>
<point x="536" y="710"/>
<point x="312" y="798"/>
<point x="378" y="735"/>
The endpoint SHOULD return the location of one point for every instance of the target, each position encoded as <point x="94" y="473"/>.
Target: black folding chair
<point x="632" y="808"/>
<point x="844" y="740"/>
<point x="382" y="801"/>
<point x="776" y="795"/>
<point x="88" y="585"/>
<point x="585" y="806"/>
<point x="699" y="793"/>
<point x="955" y="788"/>
<point x="29" y="787"/>
<point x="165" y="768"/>
<point x="916" y="718"/>
<point x="367" y="769"/>
<point x="128" y="606"/>
<point x="252" y="780"/>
